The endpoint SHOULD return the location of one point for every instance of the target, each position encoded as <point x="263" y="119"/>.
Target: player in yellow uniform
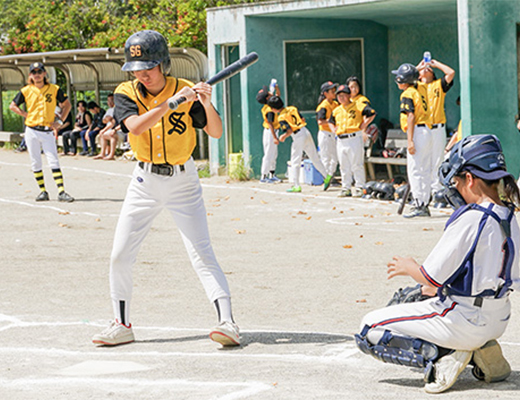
<point x="437" y="89"/>
<point x="354" y="85"/>
<point x="326" y="138"/>
<point x="416" y="123"/>
<point x="270" y="137"/>
<point x="165" y="177"/>
<point x="293" y="124"/>
<point x="350" y="120"/>
<point x="41" y="98"/>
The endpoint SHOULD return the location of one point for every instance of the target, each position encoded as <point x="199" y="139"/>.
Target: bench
<point x="395" y="139"/>
<point x="10" y="137"/>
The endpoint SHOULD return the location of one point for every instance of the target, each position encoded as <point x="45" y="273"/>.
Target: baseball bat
<point x="226" y="73"/>
<point x="404" y="199"/>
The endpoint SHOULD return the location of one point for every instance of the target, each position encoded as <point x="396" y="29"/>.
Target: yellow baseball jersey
<point x="348" y="118"/>
<point x="360" y="98"/>
<point x="414" y="99"/>
<point x="266" y="115"/>
<point x="436" y="95"/>
<point x="290" y="117"/>
<point x="40" y="103"/>
<point x="324" y="111"/>
<point x="173" y="138"/>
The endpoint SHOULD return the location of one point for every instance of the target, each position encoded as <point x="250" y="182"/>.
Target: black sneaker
<point x="64" y="196"/>
<point x="43" y="196"/>
<point x="423" y="211"/>
<point x="83" y="153"/>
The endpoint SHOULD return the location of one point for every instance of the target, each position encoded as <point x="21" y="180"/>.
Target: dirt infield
<point x="303" y="270"/>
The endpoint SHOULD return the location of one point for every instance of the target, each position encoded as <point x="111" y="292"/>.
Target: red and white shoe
<point x="114" y="335"/>
<point x="226" y="333"/>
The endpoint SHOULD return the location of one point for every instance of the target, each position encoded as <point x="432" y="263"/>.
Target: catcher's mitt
<point x="409" y="294"/>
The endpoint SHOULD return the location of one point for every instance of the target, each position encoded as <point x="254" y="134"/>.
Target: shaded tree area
<point x="29" y="26"/>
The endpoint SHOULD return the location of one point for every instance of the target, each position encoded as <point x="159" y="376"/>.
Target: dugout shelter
<point x="303" y="43"/>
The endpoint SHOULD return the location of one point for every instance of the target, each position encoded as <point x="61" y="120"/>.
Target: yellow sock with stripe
<point x="39" y="179"/>
<point x="58" y="178"/>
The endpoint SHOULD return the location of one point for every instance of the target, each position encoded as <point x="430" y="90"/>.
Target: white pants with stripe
<point x="147" y="195"/>
<point x="419" y="165"/>
<point x="327" y="151"/>
<point x="37" y="141"/>
<point x="302" y="141"/>
<point x="454" y="323"/>
<point x="270" y="152"/>
<point x="351" y="158"/>
<point x="438" y="146"/>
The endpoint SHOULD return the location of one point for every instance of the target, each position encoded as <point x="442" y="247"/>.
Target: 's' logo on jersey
<point x="48" y="98"/>
<point x="178" y="125"/>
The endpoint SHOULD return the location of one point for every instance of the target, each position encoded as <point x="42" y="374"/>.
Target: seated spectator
<point x="70" y="138"/>
<point x="65" y="125"/>
<point x="90" y="135"/>
<point x="110" y="134"/>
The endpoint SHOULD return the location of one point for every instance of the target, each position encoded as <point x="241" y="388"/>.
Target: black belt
<point x="421" y="125"/>
<point x="296" y="131"/>
<point x="347" y="135"/>
<point x="41" y="128"/>
<point x="162" y="169"/>
<point x="435" y="126"/>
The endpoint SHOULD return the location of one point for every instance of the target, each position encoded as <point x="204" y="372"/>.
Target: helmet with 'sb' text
<point x="146" y="50"/>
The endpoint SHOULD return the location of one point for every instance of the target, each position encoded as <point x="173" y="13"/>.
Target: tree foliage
<point x="28" y="26"/>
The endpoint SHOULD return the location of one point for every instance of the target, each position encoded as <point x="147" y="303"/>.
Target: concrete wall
<point x="407" y="43"/>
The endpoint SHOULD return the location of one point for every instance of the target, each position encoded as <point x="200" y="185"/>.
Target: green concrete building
<point x="304" y="43"/>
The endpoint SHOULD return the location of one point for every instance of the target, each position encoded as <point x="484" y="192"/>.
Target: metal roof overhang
<point x="93" y="69"/>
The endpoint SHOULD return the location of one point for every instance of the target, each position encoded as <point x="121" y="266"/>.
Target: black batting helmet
<point x="146" y="50"/>
<point x="406" y="73"/>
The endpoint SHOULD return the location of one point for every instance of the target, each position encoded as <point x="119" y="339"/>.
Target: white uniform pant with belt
<point x="302" y="141"/>
<point x="454" y="323"/>
<point x="327" y="151"/>
<point x="351" y="160"/>
<point x="147" y="195"/>
<point x="438" y="146"/>
<point x="419" y="165"/>
<point x="270" y="152"/>
<point x="37" y="141"/>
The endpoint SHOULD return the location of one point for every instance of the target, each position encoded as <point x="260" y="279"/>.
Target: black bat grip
<point x="174" y="104"/>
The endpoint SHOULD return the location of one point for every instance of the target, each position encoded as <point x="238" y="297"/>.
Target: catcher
<point x="443" y="334"/>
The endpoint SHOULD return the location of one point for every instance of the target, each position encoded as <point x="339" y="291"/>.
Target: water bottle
<point x="427" y="57"/>
<point x="272" y="86"/>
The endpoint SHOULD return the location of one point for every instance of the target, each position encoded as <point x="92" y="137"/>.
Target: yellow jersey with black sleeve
<point x="436" y="96"/>
<point x="360" y="98"/>
<point x="414" y="99"/>
<point x="348" y="118"/>
<point x="290" y="117"/>
<point x="324" y="111"/>
<point x="173" y="138"/>
<point x="270" y="116"/>
<point x="40" y="103"/>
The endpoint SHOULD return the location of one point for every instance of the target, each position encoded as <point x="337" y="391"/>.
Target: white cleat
<point x="447" y="370"/>
<point x="226" y="333"/>
<point x="114" y="335"/>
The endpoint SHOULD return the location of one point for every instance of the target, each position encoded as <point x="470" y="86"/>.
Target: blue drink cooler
<point x="311" y="174"/>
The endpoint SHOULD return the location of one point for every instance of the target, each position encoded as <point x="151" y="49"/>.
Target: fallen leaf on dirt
<point x="263" y="202"/>
<point x="389" y="221"/>
<point x="252" y="198"/>
<point x="226" y="198"/>
<point x="341" y="212"/>
<point x="333" y="208"/>
<point x="358" y="223"/>
<point x="228" y="181"/>
<point x="387" y="213"/>
<point x="240" y="231"/>
<point x="235" y="219"/>
<point x="361" y="301"/>
<point x="304" y="200"/>
<point x="64" y="213"/>
<point x="208" y="214"/>
<point x="98" y="219"/>
<point x="302" y="213"/>
<point x="427" y="229"/>
<point x="379" y="243"/>
<point x="347" y="246"/>
<point x="361" y="236"/>
<point x="215" y="205"/>
<point x="308" y="218"/>
<point x="62" y="225"/>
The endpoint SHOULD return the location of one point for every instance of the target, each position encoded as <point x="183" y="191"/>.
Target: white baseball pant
<point x="37" y="141"/>
<point x="302" y="141"/>
<point x="419" y="165"/>
<point x="147" y="195"/>
<point x="438" y="146"/>
<point x="327" y="151"/>
<point x="455" y="323"/>
<point x="270" y="152"/>
<point x="351" y="158"/>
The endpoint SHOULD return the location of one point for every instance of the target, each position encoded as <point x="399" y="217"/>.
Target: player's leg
<point x="137" y="214"/>
<point x="272" y="168"/>
<point x="358" y="163"/>
<point x="418" y="168"/>
<point x="34" y="149"/>
<point x="296" y="160"/>
<point x="186" y="205"/>
<point x="438" y="145"/>
<point x="51" y="153"/>
<point x="324" y="150"/>
<point x="312" y="153"/>
<point x="344" y="167"/>
<point x="268" y="143"/>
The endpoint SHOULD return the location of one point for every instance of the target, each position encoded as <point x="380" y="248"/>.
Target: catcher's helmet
<point x="385" y="191"/>
<point x="480" y="155"/>
<point x="406" y="73"/>
<point x="439" y="199"/>
<point x="146" y="50"/>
